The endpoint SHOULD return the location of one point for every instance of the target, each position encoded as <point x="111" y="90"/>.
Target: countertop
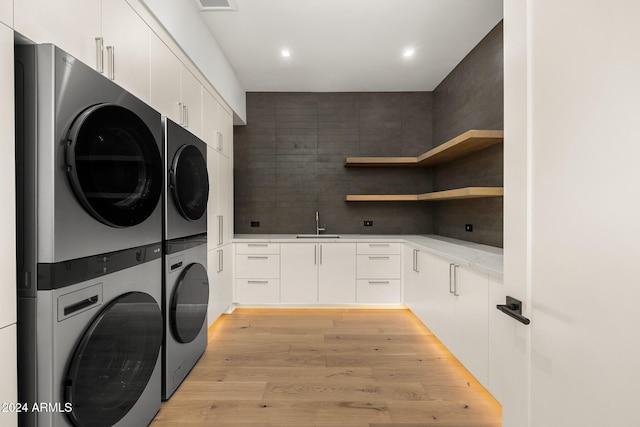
<point x="487" y="259"/>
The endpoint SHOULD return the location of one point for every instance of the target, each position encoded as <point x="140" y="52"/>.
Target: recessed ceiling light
<point x="285" y="53"/>
<point x="409" y="52"/>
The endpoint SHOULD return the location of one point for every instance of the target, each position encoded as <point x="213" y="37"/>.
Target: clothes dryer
<point x="90" y="158"/>
<point x="186" y="182"/>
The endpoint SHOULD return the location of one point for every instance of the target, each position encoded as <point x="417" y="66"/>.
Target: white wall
<point x="182" y="20"/>
<point x="579" y="173"/>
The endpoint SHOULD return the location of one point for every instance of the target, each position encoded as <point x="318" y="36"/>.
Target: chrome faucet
<point x="318" y="228"/>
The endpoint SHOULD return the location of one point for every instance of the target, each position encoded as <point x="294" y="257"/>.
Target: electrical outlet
<point x="468" y="227"/>
<point x="255" y="223"/>
<point x="368" y="223"/>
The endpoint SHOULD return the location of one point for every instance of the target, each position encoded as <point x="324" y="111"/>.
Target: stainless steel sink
<point x="317" y="236"/>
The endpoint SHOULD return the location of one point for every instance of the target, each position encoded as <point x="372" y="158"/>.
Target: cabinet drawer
<point x="378" y="266"/>
<point x="379" y="248"/>
<point x="258" y="248"/>
<point x="257" y="291"/>
<point x="258" y="266"/>
<point x="378" y="291"/>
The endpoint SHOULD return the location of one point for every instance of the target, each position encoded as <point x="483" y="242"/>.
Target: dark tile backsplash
<point x="289" y="158"/>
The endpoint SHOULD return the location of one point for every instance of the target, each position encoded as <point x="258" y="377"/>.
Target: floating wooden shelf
<point x="458" y="193"/>
<point x="460" y="146"/>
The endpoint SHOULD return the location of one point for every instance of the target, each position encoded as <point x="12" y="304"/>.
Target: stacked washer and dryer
<point x="99" y="331"/>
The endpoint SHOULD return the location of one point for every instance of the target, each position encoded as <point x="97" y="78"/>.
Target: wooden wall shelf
<point x="458" y="193"/>
<point x="460" y="146"/>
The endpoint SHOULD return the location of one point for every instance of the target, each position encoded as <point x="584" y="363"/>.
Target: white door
<point x="337" y="273"/>
<point x="299" y="273"/>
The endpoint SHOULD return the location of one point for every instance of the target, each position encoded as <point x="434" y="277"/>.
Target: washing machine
<point x="186" y="285"/>
<point x="89" y="174"/>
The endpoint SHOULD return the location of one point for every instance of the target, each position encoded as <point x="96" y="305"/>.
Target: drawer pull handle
<point x="70" y="309"/>
<point x="378" y="257"/>
<point x="258" y="282"/>
<point x="257" y="257"/>
<point x="378" y="245"/>
<point x="379" y="282"/>
<point x="257" y="245"/>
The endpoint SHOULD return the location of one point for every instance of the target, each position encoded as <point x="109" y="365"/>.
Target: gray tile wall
<point x="289" y="162"/>
<point x="289" y="159"/>
<point x="471" y="97"/>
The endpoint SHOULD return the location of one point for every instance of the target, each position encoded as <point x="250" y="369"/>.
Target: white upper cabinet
<point x="59" y="22"/>
<point x="164" y="79"/>
<point x="7" y="181"/>
<point x="6" y="12"/>
<point x="126" y="47"/>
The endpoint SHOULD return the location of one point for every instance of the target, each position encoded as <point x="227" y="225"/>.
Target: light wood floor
<point x="327" y="368"/>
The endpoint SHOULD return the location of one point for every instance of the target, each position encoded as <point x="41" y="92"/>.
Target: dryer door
<point x="114" y="360"/>
<point x="189" y="182"/>
<point x="189" y="303"/>
<point x="114" y="165"/>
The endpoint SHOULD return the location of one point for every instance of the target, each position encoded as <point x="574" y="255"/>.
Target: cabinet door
<point x="214" y="227"/>
<point x="6" y="13"/>
<point x="164" y="79"/>
<point x="7" y="182"/>
<point x="470" y="343"/>
<point x="225" y="142"/>
<point x="219" y="263"/>
<point x="438" y="304"/>
<point x="191" y="90"/>
<point x="72" y="25"/>
<point x="128" y="36"/>
<point x="411" y="279"/>
<point x="8" y="365"/>
<point x="299" y="273"/>
<point x="337" y="273"/>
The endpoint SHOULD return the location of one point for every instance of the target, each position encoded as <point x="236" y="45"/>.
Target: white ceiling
<point x="349" y="45"/>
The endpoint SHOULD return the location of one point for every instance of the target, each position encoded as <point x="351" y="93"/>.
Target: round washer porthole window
<point x="189" y="182"/>
<point x="114" y="360"/>
<point x="114" y="165"/>
<point x="189" y="303"/>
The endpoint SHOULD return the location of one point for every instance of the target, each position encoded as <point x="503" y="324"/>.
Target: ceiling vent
<point x="217" y="5"/>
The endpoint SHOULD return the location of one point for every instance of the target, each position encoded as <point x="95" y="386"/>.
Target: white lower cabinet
<point x="257" y="273"/>
<point x="318" y="273"/>
<point x="219" y="265"/>
<point x="456" y="310"/>
<point x="379" y="269"/>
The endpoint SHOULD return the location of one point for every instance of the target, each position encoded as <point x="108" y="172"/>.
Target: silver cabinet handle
<point x="258" y="257"/>
<point x="220" y="261"/>
<point x="220" y="229"/>
<point x="111" y="59"/>
<point x="181" y="113"/>
<point x="258" y="282"/>
<point x="320" y="254"/>
<point x="315" y="254"/>
<point x="186" y="115"/>
<point x="378" y="257"/>
<point x="416" y="268"/>
<point x="219" y="141"/>
<point x="379" y="282"/>
<point x="453" y="279"/>
<point x="100" y="55"/>
<point x="255" y="245"/>
<point x="378" y="245"/>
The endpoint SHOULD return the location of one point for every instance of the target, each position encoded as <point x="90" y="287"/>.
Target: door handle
<point x="513" y="308"/>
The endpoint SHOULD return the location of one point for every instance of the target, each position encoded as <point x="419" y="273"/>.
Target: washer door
<point x="189" y="303"/>
<point x="189" y="182"/>
<point x="114" y="165"/>
<point x="114" y="360"/>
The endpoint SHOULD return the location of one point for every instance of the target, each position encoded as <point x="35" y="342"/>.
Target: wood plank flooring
<point x="327" y="368"/>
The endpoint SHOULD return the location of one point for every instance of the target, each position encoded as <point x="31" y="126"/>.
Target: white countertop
<point x="487" y="259"/>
